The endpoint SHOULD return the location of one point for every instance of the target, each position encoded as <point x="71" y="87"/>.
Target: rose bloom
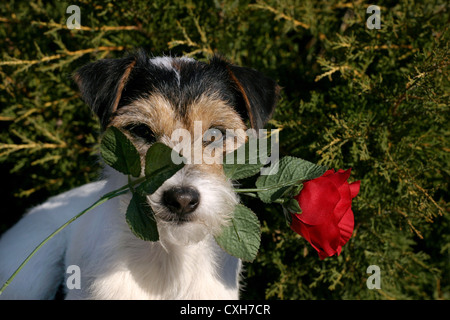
<point x="326" y="221"/>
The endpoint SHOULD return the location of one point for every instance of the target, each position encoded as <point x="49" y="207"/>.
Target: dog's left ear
<point x="259" y="93"/>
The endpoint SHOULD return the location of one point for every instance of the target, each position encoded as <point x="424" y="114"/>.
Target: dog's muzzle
<point x="181" y="201"/>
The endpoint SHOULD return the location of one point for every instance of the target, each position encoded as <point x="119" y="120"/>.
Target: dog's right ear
<point x="101" y="84"/>
<point x="259" y="94"/>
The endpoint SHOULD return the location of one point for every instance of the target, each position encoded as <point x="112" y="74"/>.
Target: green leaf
<point x="141" y="219"/>
<point x="292" y="206"/>
<point x="291" y="171"/>
<point x="245" y="163"/>
<point x="120" y="153"/>
<point x="159" y="167"/>
<point x="242" y="237"/>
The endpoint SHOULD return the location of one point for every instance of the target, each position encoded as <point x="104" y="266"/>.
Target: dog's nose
<point x="181" y="200"/>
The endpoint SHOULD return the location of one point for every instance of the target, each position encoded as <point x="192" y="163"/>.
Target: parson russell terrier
<point x="147" y="99"/>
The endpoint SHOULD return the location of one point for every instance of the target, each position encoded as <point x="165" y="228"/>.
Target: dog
<point x="147" y="98"/>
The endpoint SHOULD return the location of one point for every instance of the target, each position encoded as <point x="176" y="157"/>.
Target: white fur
<point x="185" y="264"/>
<point x="167" y="62"/>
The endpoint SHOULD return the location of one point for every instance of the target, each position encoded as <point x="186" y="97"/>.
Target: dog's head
<point x="150" y="99"/>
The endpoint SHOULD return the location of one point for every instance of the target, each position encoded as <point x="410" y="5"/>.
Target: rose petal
<point x="344" y="203"/>
<point x="299" y="227"/>
<point x="346" y="226"/>
<point x="317" y="200"/>
<point x="325" y="238"/>
<point x="354" y="188"/>
<point x="340" y="177"/>
<point x="327" y="173"/>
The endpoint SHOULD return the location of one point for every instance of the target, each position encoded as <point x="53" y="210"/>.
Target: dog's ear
<point x="259" y="94"/>
<point x="101" y="84"/>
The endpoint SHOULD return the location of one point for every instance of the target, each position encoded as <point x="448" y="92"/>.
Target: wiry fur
<point x="217" y="197"/>
<point x="135" y="269"/>
<point x="163" y="94"/>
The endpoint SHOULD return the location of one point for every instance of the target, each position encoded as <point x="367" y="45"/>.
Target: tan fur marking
<point x="244" y="95"/>
<point x="156" y="112"/>
<point x="161" y="117"/>
<point x="122" y="82"/>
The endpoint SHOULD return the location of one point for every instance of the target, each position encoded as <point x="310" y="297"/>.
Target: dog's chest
<point x="163" y="279"/>
<point x="136" y="269"/>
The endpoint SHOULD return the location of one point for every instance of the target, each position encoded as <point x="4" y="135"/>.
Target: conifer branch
<point x="417" y="232"/>
<point x="33" y="146"/>
<point x="204" y="47"/>
<point x="85" y="28"/>
<point x="279" y="14"/>
<point x="28" y="192"/>
<point x="78" y="53"/>
<point x="81" y="28"/>
<point x="408" y="178"/>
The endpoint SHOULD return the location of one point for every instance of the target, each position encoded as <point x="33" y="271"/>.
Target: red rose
<point x="326" y="220"/>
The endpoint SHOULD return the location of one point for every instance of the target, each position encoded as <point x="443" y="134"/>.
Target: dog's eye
<point x="141" y="131"/>
<point x="213" y="136"/>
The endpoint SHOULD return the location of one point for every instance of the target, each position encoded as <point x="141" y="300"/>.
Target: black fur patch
<point x="104" y="87"/>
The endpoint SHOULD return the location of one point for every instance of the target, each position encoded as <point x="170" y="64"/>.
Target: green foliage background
<point x="373" y="100"/>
